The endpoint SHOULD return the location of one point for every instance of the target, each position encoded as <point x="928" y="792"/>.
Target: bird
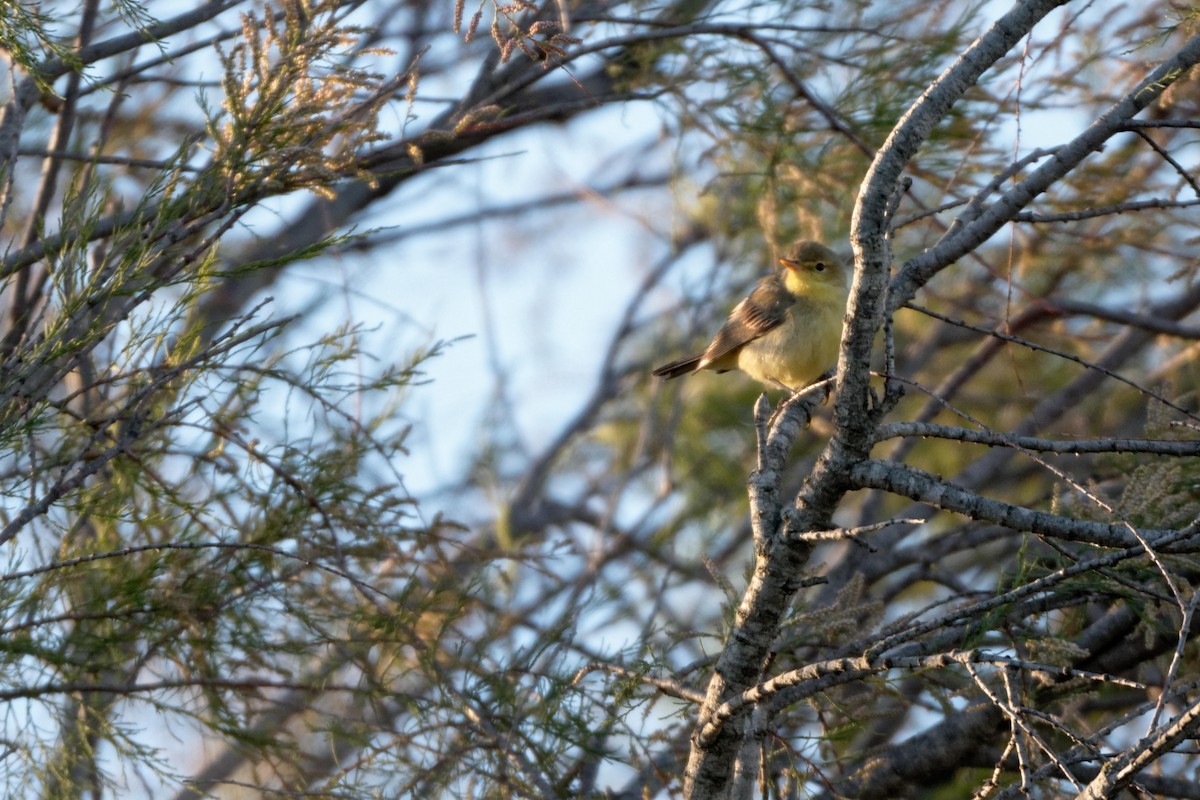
<point x="787" y="331"/>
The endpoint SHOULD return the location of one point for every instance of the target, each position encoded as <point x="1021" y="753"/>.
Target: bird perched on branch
<point x="786" y="333"/>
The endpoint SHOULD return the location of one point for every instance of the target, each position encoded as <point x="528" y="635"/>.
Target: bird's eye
<point x="819" y="266"/>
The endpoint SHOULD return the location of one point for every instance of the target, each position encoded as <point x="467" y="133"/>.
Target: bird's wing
<point x="766" y="308"/>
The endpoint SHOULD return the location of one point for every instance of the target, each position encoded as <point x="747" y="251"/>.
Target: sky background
<point x="527" y="304"/>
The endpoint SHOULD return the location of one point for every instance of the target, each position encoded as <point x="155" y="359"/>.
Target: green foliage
<point x="205" y="515"/>
<point x="1163" y="492"/>
<point x="202" y="516"/>
<point x="27" y="36"/>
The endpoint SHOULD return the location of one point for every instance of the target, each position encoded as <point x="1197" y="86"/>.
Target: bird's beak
<point x="787" y="262"/>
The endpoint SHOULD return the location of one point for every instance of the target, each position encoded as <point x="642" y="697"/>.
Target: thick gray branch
<point x="919" y="485"/>
<point x="965" y="236"/>
<point x="868" y="227"/>
<point x="780" y="560"/>
<point x="1117" y="774"/>
<point x="998" y="439"/>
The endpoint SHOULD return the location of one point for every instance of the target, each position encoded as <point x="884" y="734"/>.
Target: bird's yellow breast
<point x="802" y="348"/>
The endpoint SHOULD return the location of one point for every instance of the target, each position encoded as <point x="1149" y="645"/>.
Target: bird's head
<point x="811" y="265"/>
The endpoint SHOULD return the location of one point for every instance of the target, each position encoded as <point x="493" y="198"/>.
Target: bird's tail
<point x="680" y="366"/>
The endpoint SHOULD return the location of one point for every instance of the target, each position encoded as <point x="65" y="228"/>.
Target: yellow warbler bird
<point x="786" y="333"/>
